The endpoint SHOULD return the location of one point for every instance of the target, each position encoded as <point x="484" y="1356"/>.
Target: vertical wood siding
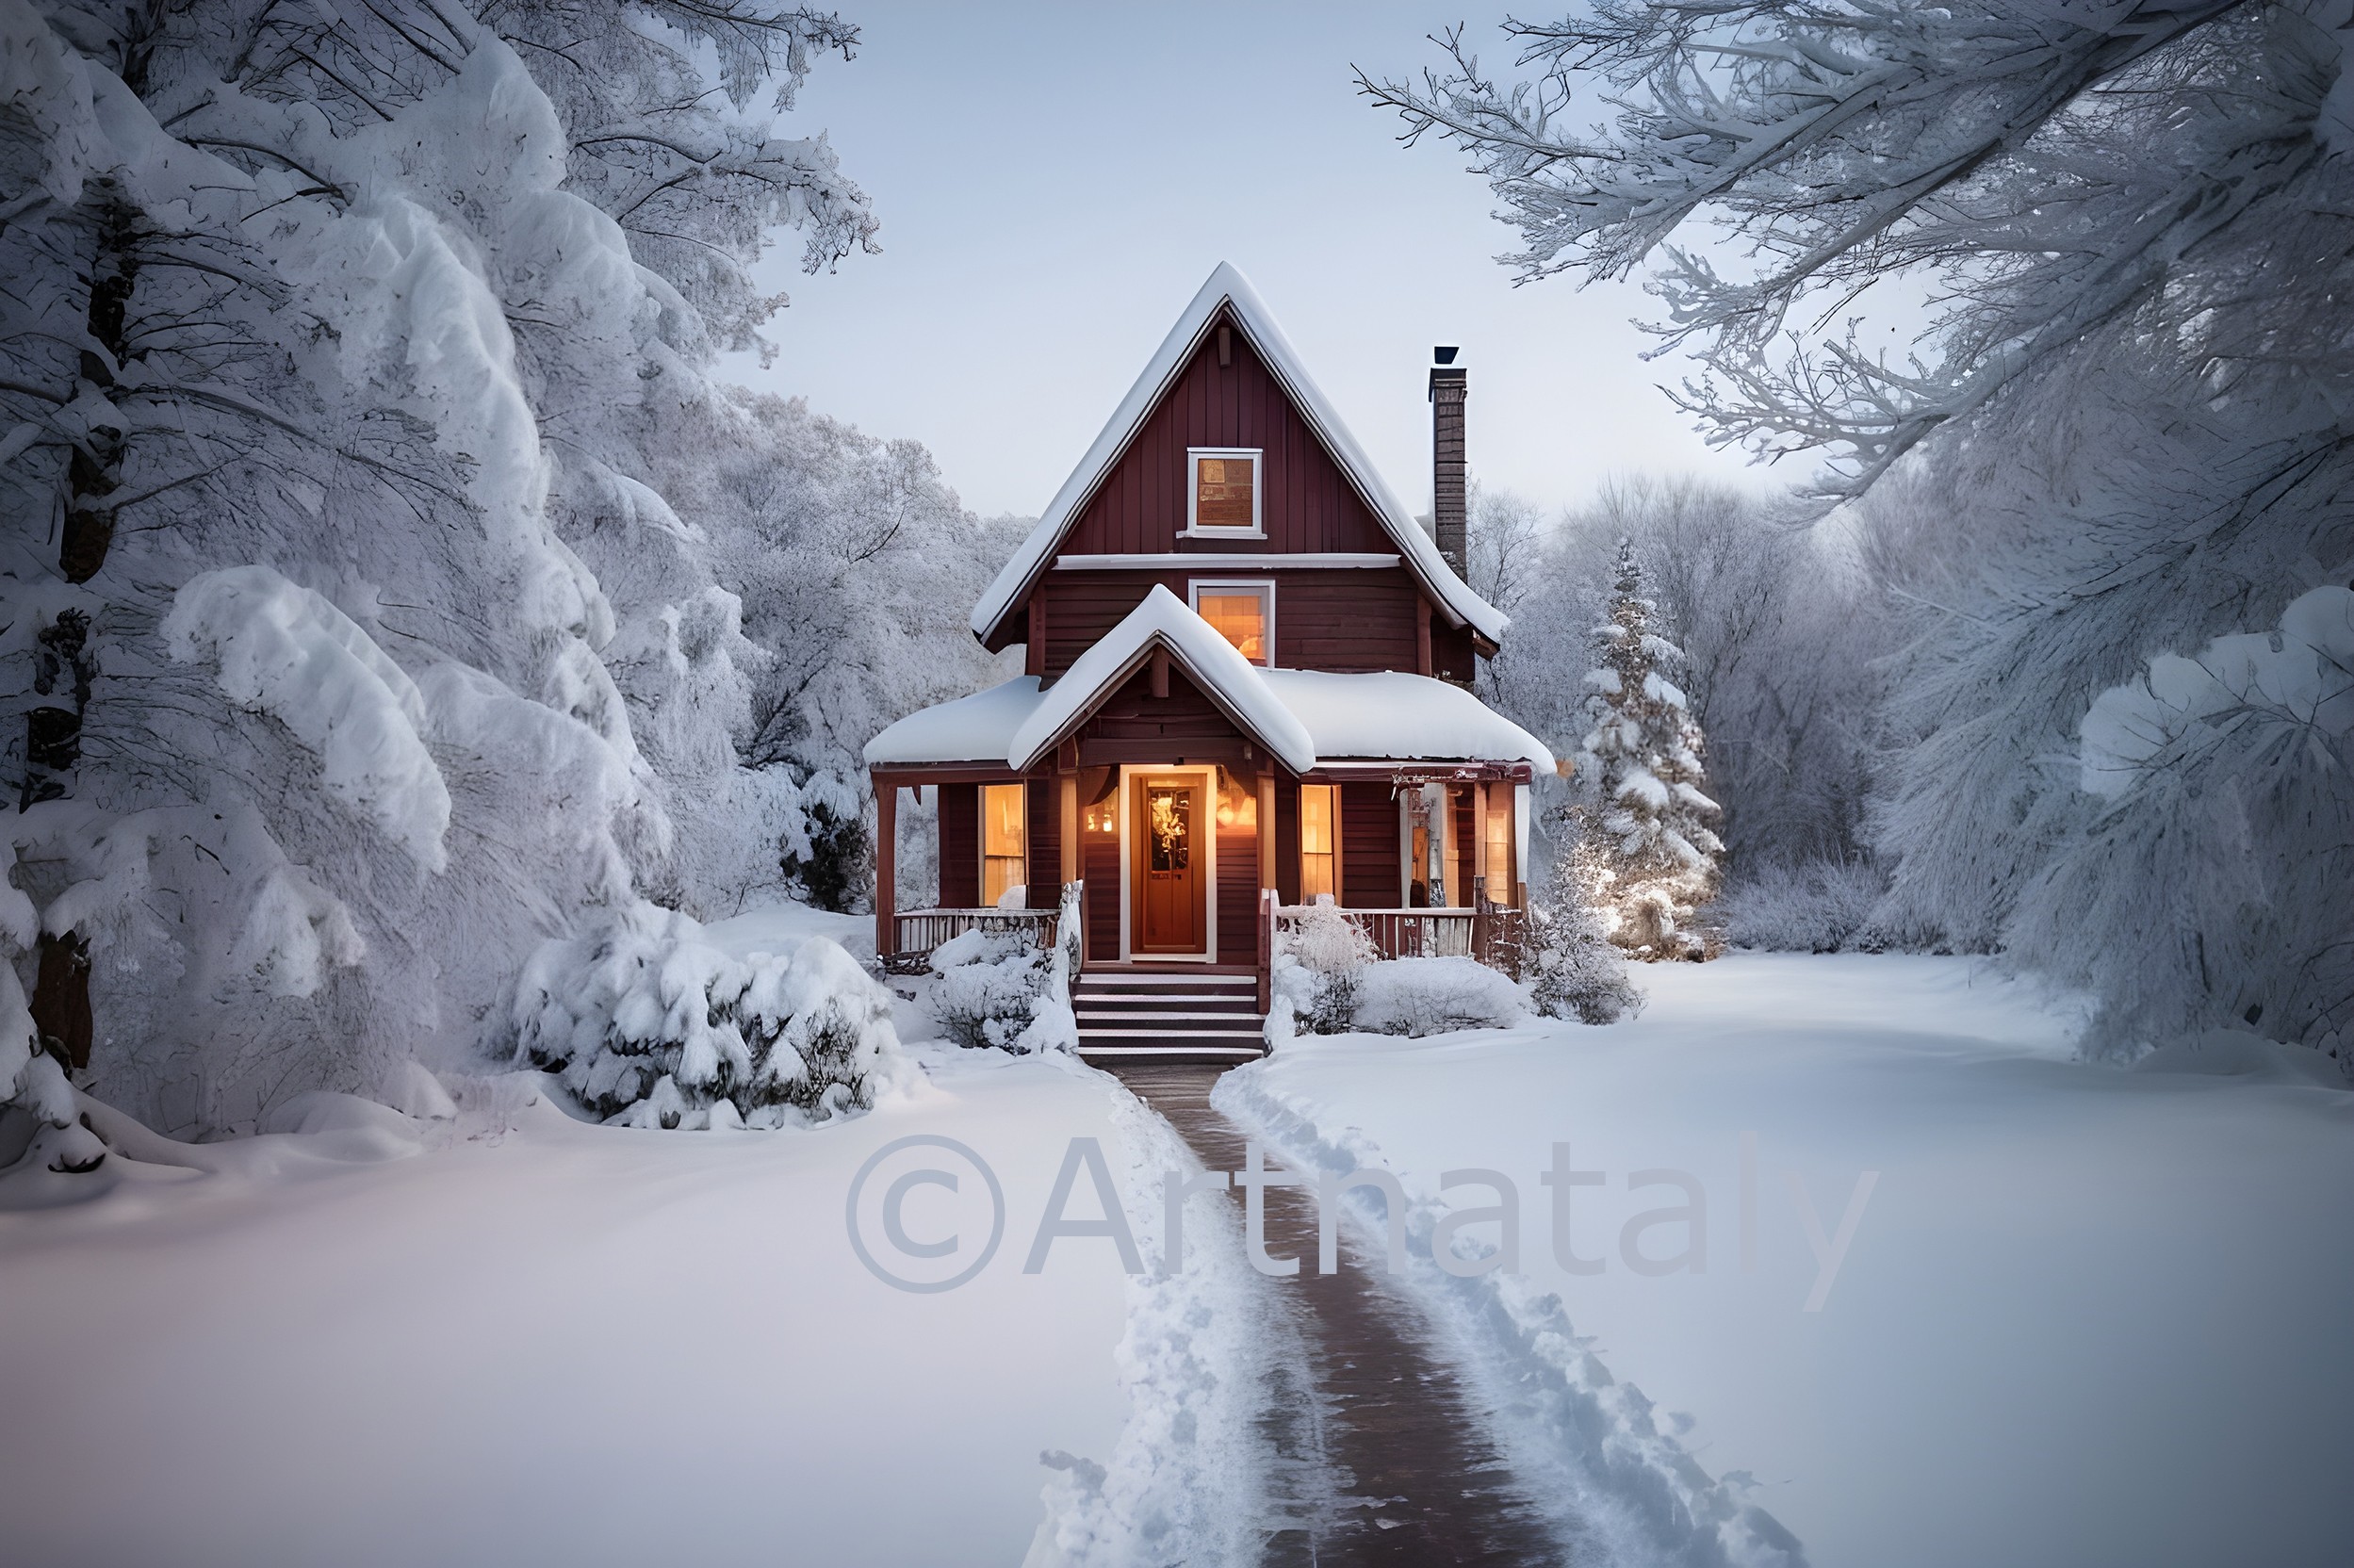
<point x="1368" y="847"/>
<point x="1045" y="822"/>
<point x="1099" y="862"/>
<point x="960" y="845"/>
<point x="1306" y="503"/>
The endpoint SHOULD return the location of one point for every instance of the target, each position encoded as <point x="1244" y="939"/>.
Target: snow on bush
<point x="1822" y="907"/>
<point x="651" y="1027"/>
<point x="1317" y="966"/>
<point x="1574" y="971"/>
<point x="998" y="988"/>
<point x="1431" y="996"/>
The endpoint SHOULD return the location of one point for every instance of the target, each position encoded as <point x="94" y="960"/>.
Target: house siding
<point x="1349" y="620"/>
<point x="960" y="845"/>
<point x="1044" y="818"/>
<point x="1368" y="847"/>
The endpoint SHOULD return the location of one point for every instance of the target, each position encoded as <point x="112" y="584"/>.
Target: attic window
<point x="1223" y="496"/>
<point x="1242" y="612"/>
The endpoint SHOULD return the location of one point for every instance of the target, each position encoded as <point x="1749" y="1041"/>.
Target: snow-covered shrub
<point x="1430" y="996"/>
<point x="1318" y="965"/>
<point x="989" y="987"/>
<point x="1822" y="907"/>
<point x="1573" y="969"/>
<point x="652" y="1026"/>
<point x="833" y="862"/>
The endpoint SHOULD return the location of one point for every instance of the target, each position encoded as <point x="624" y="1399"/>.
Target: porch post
<point x="886" y="861"/>
<point x="1066" y="811"/>
<point x="1266" y="829"/>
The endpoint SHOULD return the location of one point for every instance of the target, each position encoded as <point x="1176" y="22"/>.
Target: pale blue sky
<point x="1055" y="181"/>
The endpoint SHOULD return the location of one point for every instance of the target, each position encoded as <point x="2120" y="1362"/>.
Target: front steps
<point x="1169" y="1015"/>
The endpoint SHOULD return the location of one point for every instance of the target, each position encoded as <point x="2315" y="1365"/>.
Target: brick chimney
<point x="1448" y="503"/>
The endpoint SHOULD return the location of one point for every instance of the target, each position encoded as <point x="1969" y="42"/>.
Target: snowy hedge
<point x="651" y="1025"/>
<point x="1430" y="996"/>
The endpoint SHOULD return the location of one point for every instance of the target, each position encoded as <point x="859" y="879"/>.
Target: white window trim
<point x="1263" y="586"/>
<point x="1129" y="774"/>
<point x="1258" y="530"/>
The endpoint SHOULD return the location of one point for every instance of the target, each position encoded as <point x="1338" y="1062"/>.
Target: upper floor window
<point x="1222" y="491"/>
<point x="1242" y="612"/>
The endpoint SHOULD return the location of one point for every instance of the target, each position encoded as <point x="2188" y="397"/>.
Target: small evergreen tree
<point x="1573" y="970"/>
<point x="1646" y="819"/>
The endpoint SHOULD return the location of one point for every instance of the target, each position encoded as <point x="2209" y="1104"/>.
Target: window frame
<point x="1194" y="527"/>
<point x="1263" y="586"/>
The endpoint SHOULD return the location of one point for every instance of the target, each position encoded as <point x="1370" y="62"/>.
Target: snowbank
<point x="2087" y="1316"/>
<point x="470" y="1355"/>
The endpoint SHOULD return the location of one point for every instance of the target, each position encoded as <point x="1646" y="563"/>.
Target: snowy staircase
<point x="1169" y="1015"/>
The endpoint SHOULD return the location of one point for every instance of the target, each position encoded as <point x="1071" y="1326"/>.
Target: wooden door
<point x="1168" y="880"/>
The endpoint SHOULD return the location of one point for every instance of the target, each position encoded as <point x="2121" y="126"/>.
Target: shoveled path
<point x="1380" y="1453"/>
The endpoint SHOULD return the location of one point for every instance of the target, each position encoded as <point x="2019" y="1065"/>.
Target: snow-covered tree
<point x="1645" y="816"/>
<point x="2075" y="273"/>
<point x="351" y="646"/>
<point x="1572" y="969"/>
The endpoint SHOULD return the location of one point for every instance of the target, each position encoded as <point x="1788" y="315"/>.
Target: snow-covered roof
<point x="1228" y="287"/>
<point x="1305" y="718"/>
<point x="968" y="730"/>
<point x="1225" y="677"/>
<point x="1388" y="716"/>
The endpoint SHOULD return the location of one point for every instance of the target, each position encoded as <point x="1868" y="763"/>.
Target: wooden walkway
<point x="1381" y="1454"/>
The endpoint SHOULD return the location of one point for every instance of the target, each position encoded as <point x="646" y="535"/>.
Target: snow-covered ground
<point x="2087" y="1316"/>
<point x="552" y="1344"/>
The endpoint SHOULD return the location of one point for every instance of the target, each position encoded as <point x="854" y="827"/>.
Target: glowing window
<point x="1500" y="888"/>
<point x="1244" y="615"/>
<point x="1224" y="493"/>
<point x="1003" y="848"/>
<point x="1318" y="816"/>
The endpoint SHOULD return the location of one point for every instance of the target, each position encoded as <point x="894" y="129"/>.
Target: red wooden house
<point x="1247" y="687"/>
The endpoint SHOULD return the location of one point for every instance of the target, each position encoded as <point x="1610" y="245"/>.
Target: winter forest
<point x="415" y="649"/>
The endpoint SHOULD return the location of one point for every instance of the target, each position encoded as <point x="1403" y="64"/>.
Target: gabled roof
<point x="1228" y="287"/>
<point x="1376" y="716"/>
<point x="1225" y="677"/>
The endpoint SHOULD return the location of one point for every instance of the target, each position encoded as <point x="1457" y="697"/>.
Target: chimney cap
<point x="1444" y="353"/>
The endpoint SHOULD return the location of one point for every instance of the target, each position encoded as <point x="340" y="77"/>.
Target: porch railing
<point x="1488" y="932"/>
<point x="917" y="932"/>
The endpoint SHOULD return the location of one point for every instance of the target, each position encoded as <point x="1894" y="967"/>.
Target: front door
<point x="1167" y="879"/>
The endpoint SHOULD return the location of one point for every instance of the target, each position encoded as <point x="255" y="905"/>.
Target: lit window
<point x="1001" y="841"/>
<point x="1225" y="490"/>
<point x="1243" y="613"/>
<point x="1318" y="815"/>
<point x="1500" y="889"/>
